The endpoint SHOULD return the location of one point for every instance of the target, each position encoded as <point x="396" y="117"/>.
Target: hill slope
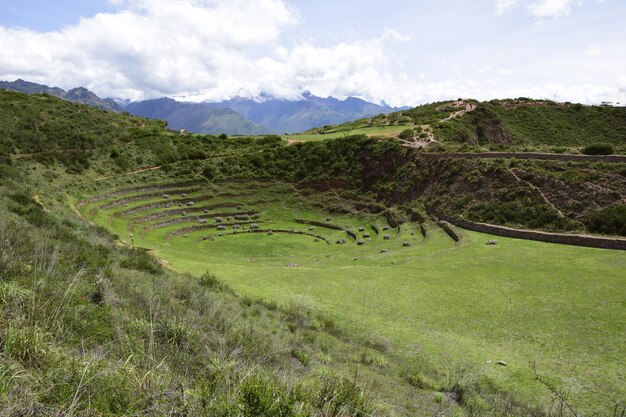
<point x="92" y="324"/>
<point x="506" y="123"/>
<point x="77" y="95"/>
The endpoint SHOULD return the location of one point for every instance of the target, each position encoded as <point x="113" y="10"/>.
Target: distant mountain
<point x="77" y="95"/>
<point x="237" y="116"/>
<point x="83" y="96"/>
<point x="26" y="87"/>
<point x="300" y="115"/>
<point x="196" y="117"/>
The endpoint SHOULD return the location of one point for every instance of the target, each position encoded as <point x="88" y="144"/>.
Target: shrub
<point x="406" y="134"/>
<point x="140" y="260"/>
<point x="598" y="149"/>
<point x="209" y="172"/>
<point x="373" y="359"/>
<point x="211" y="281"/>
<point x="438" y="398"/>
<point x="174" y="333"/>
<point x="30" y="345"/>
<point x="610" y="221"/>
<point x="262" y="396"/>
<point x="420" y="381"/>
<point x="301" y="355"/>
<point x="338" y="396"/>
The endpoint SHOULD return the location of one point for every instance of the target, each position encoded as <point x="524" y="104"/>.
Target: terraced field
<point x="367" y="131"/>
<point x="447" y="308"/>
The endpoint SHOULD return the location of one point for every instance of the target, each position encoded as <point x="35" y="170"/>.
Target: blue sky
<point x="403" y="52"/>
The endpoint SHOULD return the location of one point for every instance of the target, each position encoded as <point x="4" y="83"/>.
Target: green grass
<point x="368" y="131"/>
<point x="418" y="327"/>
<point x="447" y="305"/>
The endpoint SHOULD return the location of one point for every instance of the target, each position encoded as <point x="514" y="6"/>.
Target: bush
<point x="609" y="221"/>
<point x="598" y="149"/>
<point x="211" y="281"/>
<point x="406" y="134"/>
<point x="301" y="355"/>
<point x="209" y="172"/>
<point x="338" y="396"/>
<point x="420" y="381"/>
<point x="140" y="260"/>
<point x="263" y="396"/>
<point x="29" y="345"/>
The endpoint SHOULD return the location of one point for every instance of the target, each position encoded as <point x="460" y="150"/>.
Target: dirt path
<point x="538" y="190"/>
<point x="465" y="108"/>
<point x="423" y="142"/>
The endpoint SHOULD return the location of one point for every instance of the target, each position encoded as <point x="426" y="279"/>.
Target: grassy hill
<point x="76" y="95"/>
<point x="520" y="124"/>
<point x="123" y="294"/>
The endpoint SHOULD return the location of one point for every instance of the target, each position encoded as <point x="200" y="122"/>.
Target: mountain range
<point x="237" y="116"/>
<point x="297" y="116"/>
<point x="77" y="95"/>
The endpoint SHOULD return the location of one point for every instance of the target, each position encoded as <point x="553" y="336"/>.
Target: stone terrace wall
<point x="567" y="239"/>
<point x="527" y="155"/>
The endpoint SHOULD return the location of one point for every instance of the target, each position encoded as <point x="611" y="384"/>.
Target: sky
<point x="403" y="52"/>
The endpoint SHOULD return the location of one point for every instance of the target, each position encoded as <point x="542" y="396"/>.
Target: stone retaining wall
<point x="326" y="225"/>
<point x="562" y="238"/>
<point x="150" y="196"/>
<point x="286" y="231"/>
<point x="168" y="213"/>
<point x="120" y="192"/>
<point x="189" y="219"/>
<point x="448" y="229"/>
<point x="527" y="155"/>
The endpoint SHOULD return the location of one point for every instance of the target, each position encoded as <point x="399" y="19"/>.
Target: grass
<point x="284" y="324"/>
<point x="448" y="305"/>
<point x="389" y="131"/>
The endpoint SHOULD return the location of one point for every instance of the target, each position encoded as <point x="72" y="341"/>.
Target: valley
<point x="457" y="307"/>
<point x="287" y="270"/>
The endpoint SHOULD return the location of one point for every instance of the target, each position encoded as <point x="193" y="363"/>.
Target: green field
<point x="444" y="307"/>
<point x="368" y="131"/>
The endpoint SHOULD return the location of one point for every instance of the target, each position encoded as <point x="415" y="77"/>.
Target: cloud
<point x="540" y="8"/>
<point x="592" y="50"/>
<point x="196" y="49"/>
<point x="503" y="5"/>
<point x="217" y="49"/>
<point x="148" y="47"/>
<point x="552" y="8"/>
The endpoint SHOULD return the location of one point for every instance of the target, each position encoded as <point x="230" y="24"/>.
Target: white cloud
<point x="541" y="8"/>
<point x="148" y="47"/>
<point x="197" y="49"/>
<point x="592" y="50"/>
<point x="503" y="5"/>
<point x="552" y="8"/>
<point x="217" y="49"/>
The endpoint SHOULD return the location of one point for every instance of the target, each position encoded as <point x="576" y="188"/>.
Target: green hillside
<point x="520" y="124"/>
<point x="148" y="272"/>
